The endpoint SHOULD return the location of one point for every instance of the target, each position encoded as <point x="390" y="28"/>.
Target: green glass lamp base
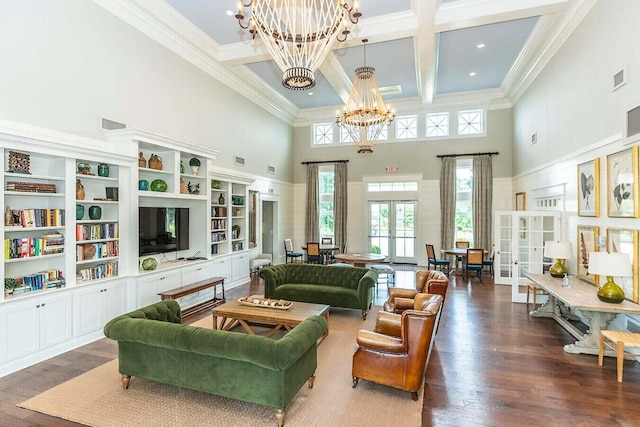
<point x="558" y="269"/>
<point x="610" y="292"/>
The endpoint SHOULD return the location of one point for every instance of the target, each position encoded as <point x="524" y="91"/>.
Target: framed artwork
<point x="622" y="179"/>
<point x="587" y="243"/>
<point x="589" y="188"/>
<point x="521" y="201"/>
<point x="625" y="241"/>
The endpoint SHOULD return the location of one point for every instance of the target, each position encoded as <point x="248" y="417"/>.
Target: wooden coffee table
<point x="233" y="313"/>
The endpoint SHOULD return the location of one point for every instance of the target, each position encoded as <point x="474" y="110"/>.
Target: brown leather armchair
<point x="397" y="351"/>
<point x="427" y="281"/>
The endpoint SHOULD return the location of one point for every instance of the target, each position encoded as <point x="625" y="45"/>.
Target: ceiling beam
<point x="425" y="49"/>
<point x="336" y="76"/>
<point x="472" y="13"/>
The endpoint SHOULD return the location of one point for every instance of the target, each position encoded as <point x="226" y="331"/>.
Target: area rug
<point x="96" y="398"/>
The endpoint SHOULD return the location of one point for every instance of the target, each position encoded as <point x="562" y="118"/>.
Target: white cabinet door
<point x="239" y="267"/>
<point x="198" y="272"/>
<point x="149" y="287"/>
<point x="95" y="305"/>
<point x="34" y="324"/>
<point x="222" y="267"/>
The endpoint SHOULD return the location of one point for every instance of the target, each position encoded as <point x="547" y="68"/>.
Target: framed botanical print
<point x="625" y="241"/>
<point x="521" y="201"/>
<point x="589" y="188"/>
<point x="587" y="243"/>
<point x="622" y="179"/>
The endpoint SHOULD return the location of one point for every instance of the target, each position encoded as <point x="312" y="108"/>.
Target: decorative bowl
<point x="149" y="264"/>
<point x="158" y="185"/>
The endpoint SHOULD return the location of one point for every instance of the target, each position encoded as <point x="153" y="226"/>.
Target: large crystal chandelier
<point x="365" y="114"/>
<point x="298" y="33"/>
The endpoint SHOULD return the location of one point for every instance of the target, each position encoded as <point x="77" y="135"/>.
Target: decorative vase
<point x="143" y="185"/>
<point x="181" y="167"/>
<point x="149" y="264"/>
<point x="158" y="185"/>
<point x="95" y="212"/>
<point x="183" y="187"/>
<point x="610" y="292"/>
<point x="142" y="162"/>
<point x="194" y="169"/>
<point x="79" y="190"/>
<point x="155" y="162"/>
<point x="84" y="168"/>
<point x="88" y="251"/>
<point x="221" y="199"/>
<point x="79" y="212"/>
<point x="103" y="169"/>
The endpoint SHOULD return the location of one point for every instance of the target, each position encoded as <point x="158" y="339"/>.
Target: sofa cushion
<point x="323" y="275"/>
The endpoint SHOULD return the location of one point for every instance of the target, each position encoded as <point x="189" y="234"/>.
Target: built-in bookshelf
<point x="228" y="216"/>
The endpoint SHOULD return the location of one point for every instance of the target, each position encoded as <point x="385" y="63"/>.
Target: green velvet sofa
<point x="346" y="287"/>
<point x="155" y="345"/>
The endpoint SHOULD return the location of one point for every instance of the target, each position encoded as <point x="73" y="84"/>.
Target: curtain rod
<point x="492" y="153"/>
<point x="325" y="161"/>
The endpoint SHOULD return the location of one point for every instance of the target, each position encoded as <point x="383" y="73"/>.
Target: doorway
<point x="268" y="226"/>
<point x="392" y="230"/>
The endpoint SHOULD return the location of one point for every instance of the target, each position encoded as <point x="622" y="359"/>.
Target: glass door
<point x="392" y="230"/>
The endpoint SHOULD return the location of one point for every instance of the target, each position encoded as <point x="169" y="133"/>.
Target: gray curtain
<point x="340" y="203"/>
<point x="448" y="202"/>
<point x="311" y="227"/>
<point x="482" y="202"/>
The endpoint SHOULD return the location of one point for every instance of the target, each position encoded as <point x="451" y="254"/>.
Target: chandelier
<point x="365" y="114"/>
<point x="298" y="33"/>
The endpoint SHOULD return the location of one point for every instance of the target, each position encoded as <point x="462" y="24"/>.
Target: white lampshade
<point x="610" y="264"/>
<point x="558" y="249"/>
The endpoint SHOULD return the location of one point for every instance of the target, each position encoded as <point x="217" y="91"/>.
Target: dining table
<point x="458" y="253"/>
<point x="325" y="250"/>
<point x="360" y="259"/>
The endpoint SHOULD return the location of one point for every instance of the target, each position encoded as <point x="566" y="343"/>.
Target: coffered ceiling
<point x="427" y="53"/>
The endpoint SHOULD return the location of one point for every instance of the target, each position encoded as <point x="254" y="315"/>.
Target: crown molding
<point x="517" y="86"/>
<point x="172" y="31"/>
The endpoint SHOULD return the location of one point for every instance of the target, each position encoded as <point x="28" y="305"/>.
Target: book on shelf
<point x="36" y="218"/>
<point x="97" y="231"/>
<point x="45" y="279"/>
<point x="30" y="187"/>
<point x="100" y="271"/>
<point x="26" y="247"/>
<point x="96" y="251"/>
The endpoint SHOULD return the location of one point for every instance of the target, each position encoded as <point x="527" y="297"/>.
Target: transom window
<point x="470" y="122"/>
<point x="322" y="133"/>
<point x="406" y="127"/>
<point x="374" y="187"/>
<point x="437" y="125"/>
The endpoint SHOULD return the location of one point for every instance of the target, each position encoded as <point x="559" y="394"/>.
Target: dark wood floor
<point x="493" y="366"/>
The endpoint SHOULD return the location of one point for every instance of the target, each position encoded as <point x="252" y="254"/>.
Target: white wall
<point x="66" y="64"/>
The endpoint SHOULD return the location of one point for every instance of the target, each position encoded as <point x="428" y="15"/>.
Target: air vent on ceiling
<point x="633" y="121"/>
<point x="619" y="79"/>
<point x="271" y="169"/>
<point x="239" y="160"/>
<point x="390" y="90"/>
<point x="111" y="125"/>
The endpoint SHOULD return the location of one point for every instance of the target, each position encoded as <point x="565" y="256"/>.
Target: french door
<point x="520" y="238"/>
<point x="392" y="230"/>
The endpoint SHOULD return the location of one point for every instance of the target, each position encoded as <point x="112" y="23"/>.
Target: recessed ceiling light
<point x="473" y="73"/>
<point x="230" y="12"/>
<point x="480" y="45"/>
<point x="310" y="93"/>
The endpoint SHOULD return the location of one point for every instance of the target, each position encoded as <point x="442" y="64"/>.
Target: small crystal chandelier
<point x="298" y="33"/>
<point x="365" y="114"/>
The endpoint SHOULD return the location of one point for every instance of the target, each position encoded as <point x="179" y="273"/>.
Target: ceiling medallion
<point x="365" y="114"/>
<point x="298" y="33"/>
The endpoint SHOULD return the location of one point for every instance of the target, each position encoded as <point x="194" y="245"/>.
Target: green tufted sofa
<point x="154" y="344"/>
<point x="347" y="287"/>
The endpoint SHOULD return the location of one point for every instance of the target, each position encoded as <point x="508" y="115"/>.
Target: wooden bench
<point x="193" y="288"/>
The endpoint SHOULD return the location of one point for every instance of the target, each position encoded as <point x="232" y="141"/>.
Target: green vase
<point x="79" y="212"/>
<point x="95" y="212"/>
<point x="610" y="292"/>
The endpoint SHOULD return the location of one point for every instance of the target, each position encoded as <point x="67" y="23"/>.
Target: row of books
<point x="100" y="271"/>
<point x="219" y="212"/>
<point x="100" y="250"/>
<point x="35" y="218"/>
<point x="45" y="279"/>
<point x="218" y="224"/>
<point x="218" y="237"/>
<point x="97" y="231"/>
<point x="31" y="187"/>
<point x="26" y="247"/>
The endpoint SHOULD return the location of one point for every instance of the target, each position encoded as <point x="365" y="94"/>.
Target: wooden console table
<point x="580" y="296"/>
<point x="193" y="288"/>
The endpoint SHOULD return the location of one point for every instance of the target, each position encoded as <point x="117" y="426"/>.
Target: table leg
<point x="589" y="343"/>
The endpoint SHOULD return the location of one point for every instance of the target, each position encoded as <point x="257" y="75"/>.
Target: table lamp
<point x="560" y="251"/>
<point x="610" y="264"/>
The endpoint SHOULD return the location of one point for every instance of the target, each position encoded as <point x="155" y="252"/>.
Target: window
<point x="325" y="192"/>
<point x="406" y="127"/>
<point x="464" y="206"/>
<point x="322" y="133"/>
<point x="345" y="137"/>
<point x="437" y="125"/>
<point x="375" y="187"/>
<point x="470" y="122"/>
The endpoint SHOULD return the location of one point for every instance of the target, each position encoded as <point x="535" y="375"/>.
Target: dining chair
<point x="289" y="253"/>
<point x="313" y="253"/>
<point x="489" y="261"/>
<point x="431" y="256"/>
<point x="461" y="244"/>
<point x="473" y="262"/>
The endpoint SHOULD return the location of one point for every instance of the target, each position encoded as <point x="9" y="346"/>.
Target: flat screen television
<point x="163" y="230"/>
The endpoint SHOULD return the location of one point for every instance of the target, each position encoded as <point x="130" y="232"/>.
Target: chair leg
<point x="601" y="350"/>
<point x="620" y="357"/>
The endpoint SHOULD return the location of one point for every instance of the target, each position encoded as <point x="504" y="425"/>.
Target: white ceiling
<point x="426" y="47"/>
